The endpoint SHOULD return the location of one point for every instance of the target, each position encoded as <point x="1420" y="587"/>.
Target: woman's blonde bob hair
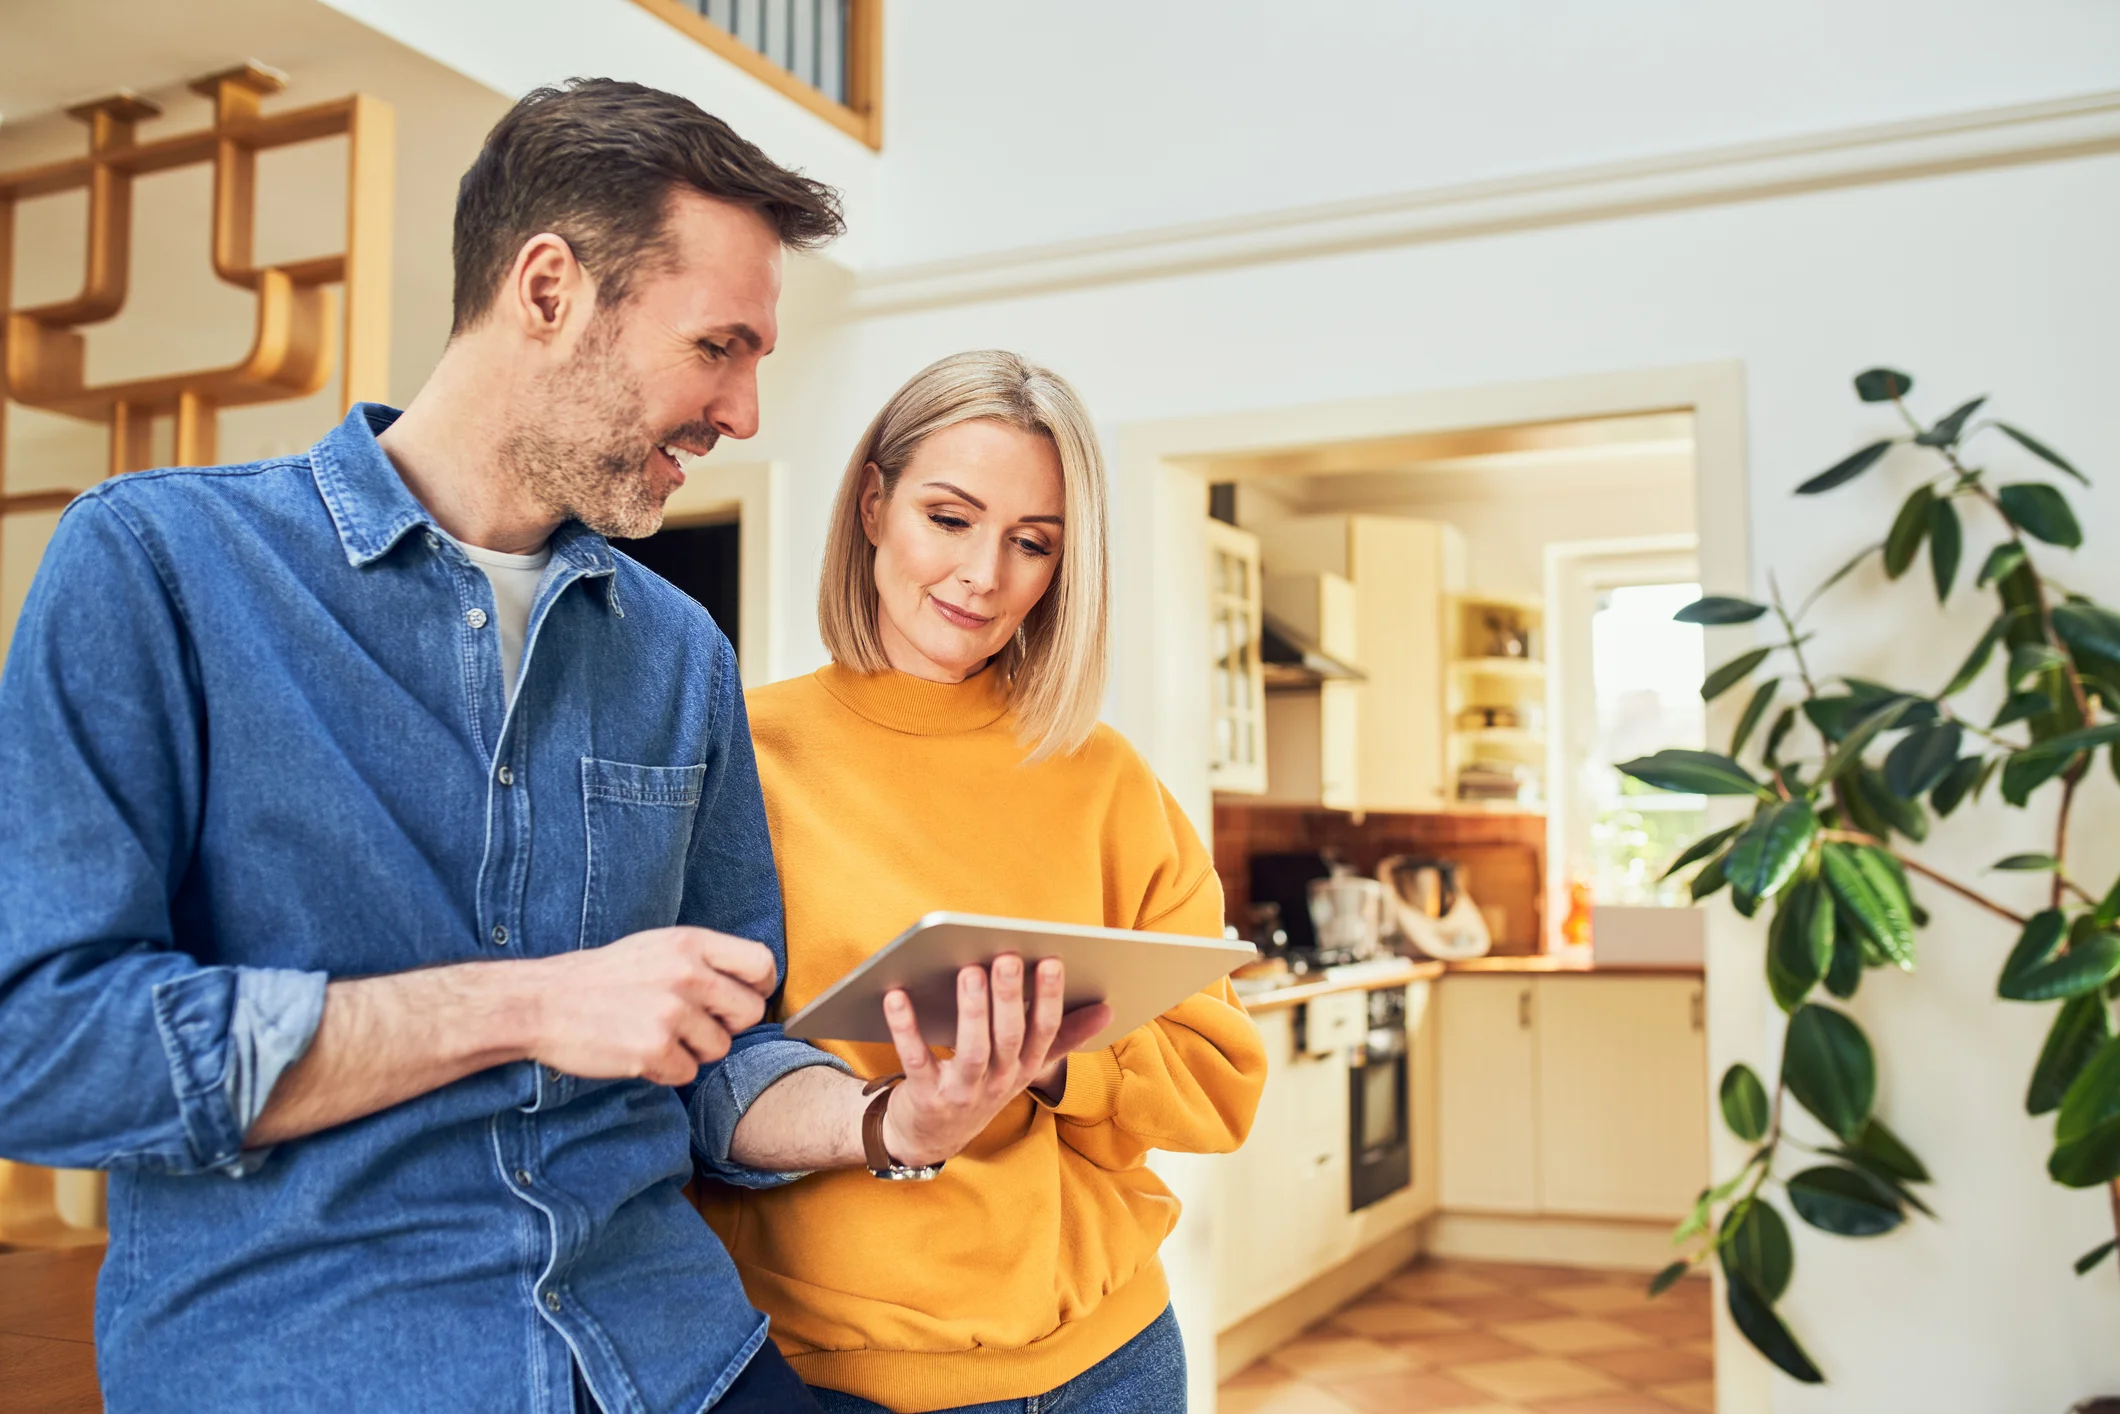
<point x="1055" y="667"/>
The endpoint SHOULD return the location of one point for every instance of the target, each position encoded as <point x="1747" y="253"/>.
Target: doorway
<point x="705" y="560"/>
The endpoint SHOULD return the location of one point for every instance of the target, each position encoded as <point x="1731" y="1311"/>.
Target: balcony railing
<point x="827" y="55"/>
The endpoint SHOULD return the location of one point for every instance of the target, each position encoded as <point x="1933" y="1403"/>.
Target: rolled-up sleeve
<point x="732" y="886"/>
<point x="117" y="1047"/>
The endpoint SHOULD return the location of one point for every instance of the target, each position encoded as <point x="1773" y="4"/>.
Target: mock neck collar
<point x="916" y="706"/>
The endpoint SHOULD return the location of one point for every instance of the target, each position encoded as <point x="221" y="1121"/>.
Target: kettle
<point x="1431" y="908"/>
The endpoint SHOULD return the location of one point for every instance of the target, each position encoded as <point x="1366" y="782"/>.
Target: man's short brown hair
<point x="594" y="162"/>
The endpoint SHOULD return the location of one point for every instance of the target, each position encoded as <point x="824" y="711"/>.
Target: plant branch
<point x="1916" y="866"/>
<point x="1795" y="644"/>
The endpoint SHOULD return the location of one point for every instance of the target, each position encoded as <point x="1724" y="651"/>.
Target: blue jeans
<point x="1144" y="1376"/>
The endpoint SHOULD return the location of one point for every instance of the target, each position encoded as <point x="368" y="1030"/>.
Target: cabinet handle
<point x="1523" y="1009"/>
<point x="1695" y="1005"/>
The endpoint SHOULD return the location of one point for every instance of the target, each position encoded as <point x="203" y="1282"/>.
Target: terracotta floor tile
<point x="1670" y="1326"/>
<point x="1291" y="1396"/>
<point x="1321" y="1356"/>
<point x="1390" y="1318"/>
<point x="1440" y="1352"/>
<point x="1260" y="1372"/>
<point x="1514" y="1306"/>
<point x="1572" y="1335"/>
<point x="1703" y="1348"/>
<point x="1535" y="1377"/>
<point x="1405" y="1391"/>
<point x="1535" y="1275"/>
<point x="1606" y="1298"/>
<point x="1656" y="1364"/>
<point x="1697" y="1395"/>
<point x="1426" y="1283"/>
<point x="1631" y="1402"/>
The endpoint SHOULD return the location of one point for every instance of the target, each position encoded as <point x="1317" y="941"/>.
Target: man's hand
<point x="655" y="1005"/>
<point x="942" y="1105"/>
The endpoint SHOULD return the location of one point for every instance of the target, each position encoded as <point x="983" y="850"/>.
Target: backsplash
<point x="1501" y="857"/>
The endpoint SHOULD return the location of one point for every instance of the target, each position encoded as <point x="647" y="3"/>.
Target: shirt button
<point x="506" y="775"/>
<point x="552" y="1074"/>
<point x="475" y="617"/>
<point x="500" y="935"/>
<point x="522" y="1177"/>
<point x="551" y="1301"/>
<point x="434" y="542"/>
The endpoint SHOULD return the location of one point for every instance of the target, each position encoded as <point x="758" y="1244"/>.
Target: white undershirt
<point x="514" y="579"/>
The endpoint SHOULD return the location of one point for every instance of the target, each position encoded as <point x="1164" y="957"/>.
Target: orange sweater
<point x="1033" y="1255"/>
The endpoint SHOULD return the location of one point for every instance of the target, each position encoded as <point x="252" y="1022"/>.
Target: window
<point x="1645" y="672"/>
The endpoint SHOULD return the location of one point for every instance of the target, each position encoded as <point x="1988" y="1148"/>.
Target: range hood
<point x="1291" y="658"/>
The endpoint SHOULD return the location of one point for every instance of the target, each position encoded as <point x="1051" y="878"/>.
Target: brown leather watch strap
<point x="874" y="1154"/>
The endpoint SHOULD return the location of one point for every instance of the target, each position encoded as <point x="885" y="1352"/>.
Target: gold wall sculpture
<point x="303" y="326"/>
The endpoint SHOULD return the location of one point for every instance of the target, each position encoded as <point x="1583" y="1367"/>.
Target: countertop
<point x="1398" y="971"/>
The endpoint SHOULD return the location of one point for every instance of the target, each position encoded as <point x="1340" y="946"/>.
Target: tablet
<point x="1141" y="975"/>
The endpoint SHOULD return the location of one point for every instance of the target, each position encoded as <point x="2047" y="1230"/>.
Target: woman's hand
<point x="942" y="1105"/>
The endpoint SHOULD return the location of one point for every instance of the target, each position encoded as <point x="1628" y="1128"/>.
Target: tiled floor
<point x="1487" y="1338"/>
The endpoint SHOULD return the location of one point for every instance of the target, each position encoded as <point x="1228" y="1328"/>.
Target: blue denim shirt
<point x="253" y="735"/>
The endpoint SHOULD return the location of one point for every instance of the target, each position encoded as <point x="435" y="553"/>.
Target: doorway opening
<point x="704" y="558"/>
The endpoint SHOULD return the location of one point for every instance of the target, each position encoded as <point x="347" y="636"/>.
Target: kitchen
<point x="1485" y="1020"/>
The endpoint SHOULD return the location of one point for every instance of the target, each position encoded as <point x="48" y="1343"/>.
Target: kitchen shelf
<point x="1501" y="736"/>
<point x="1499" y="667"/>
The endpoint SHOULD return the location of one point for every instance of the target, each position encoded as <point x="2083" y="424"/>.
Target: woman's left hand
<point x="1002" y="1050"/>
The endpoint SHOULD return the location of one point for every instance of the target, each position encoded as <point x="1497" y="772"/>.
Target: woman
<point x="950" y="758"/>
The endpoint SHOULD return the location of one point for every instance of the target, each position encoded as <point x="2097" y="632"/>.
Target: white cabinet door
<point x="1622" y="1095"/>
<point x="1487" y="1082"/>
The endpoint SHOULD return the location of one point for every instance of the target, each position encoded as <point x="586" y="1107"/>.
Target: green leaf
<point x="1744" y="1103"/>
<point x="1922" y="758"/>
<point x="2087" y="966"/>
<point x="1762" y="697"/>
<point x="1947" y="431"/>
<point x="1845" y="1201"/>
<point x="1669" y="1277"/>
<point x="1845" y="470"/>
<point x="1767" y="853"/>
<point x="1694" y="773"/>
<point x="1708" y="880"/>
<point x="1872" y="895"/>
<point x="1828" y="1066"/>
<point x="2088" y="628"/>
<point x="1777" y="734"/>
<point x="2001" y="563"/>
<point x="1702" y="848"/>
<point x="1860" y="735"/>
<point x="1882" y="385"/>
<point x="1955" y="785"/>
<point x="1898" y="812"/>
<point x="2036" y="943"/>
<point x="2040" y="510"/>
<point x="1799" y="943"/>
<point x="1977" y="660"/>
<point x="1754" y="1315"/>
<point x="1881" y="1145"/>
<point x="2081" y="1026"/>
<point x="1732" y="673"/>
<point x="2069" y="743"/>
<point x="1946" y="546"/>
<point x="2028" y="863"/>
<point x="2022" y="707"/>
<point x="1844" y="973"/>
<point x="2108" y="910"/>
<point x="2040" y="450"/>
<point x="2028" y="660"/>
<point x="2024" y="773"/>
<point x="2087" y="1131"/>
<point x="1909" y="529"/>
<point x="2096" y="1255"/>
<point x="1755" y="1245"/>
<point x="1719" y="609"/>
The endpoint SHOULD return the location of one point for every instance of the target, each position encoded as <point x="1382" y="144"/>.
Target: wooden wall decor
<point x="302" y="327"/>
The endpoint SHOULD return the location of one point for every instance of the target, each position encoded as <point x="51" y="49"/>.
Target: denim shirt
<point x="253" y="736"/>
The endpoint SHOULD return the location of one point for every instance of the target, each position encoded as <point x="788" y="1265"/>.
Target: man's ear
<point x="548" y="291"/>
<point x="872" y="501"/>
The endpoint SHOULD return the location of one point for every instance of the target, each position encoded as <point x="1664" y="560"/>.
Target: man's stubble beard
<point x="588" y="460"/>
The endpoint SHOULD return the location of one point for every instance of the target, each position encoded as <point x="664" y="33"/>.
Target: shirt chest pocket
<point x="639" y="822"/>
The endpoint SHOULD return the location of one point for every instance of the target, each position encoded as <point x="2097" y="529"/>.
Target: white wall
<point x="1999" y="281"/>
<point x="1019" y="124"/>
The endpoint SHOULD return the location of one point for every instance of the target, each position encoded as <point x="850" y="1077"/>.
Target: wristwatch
<point x="879" y="1159"/>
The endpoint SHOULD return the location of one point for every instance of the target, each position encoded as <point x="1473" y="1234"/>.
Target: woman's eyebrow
<point x="978" y="505"/>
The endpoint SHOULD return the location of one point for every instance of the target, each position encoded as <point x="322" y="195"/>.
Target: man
<point x="377" y="845"/>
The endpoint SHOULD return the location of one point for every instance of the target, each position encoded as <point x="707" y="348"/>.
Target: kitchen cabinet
<point x="1237" y="691"/>
<point x="1312" y="742"/>
<point x="1487" y="1075"/>
<point x="1622" y="1095"/>
<point x="1403" y="572"/>
<point x="1579" y="1096"/>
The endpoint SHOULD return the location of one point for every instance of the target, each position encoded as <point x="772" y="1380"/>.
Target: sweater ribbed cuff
<point x="1092" y="1093"/>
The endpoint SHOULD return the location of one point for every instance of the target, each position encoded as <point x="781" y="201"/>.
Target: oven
<point x="1379" y="1116"/>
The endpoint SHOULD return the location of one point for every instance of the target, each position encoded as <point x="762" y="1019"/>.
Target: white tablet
<point x="1141" y="975"/>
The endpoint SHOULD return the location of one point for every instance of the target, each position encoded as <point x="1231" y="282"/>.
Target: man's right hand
<point x="656" y="1005"/>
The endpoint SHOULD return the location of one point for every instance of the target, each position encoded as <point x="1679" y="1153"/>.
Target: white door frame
<point x="1159" y="504"/>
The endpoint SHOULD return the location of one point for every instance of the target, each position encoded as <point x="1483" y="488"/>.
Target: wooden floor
<point x="1490" y="1338"/>
<point x="47" y="1331"/>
